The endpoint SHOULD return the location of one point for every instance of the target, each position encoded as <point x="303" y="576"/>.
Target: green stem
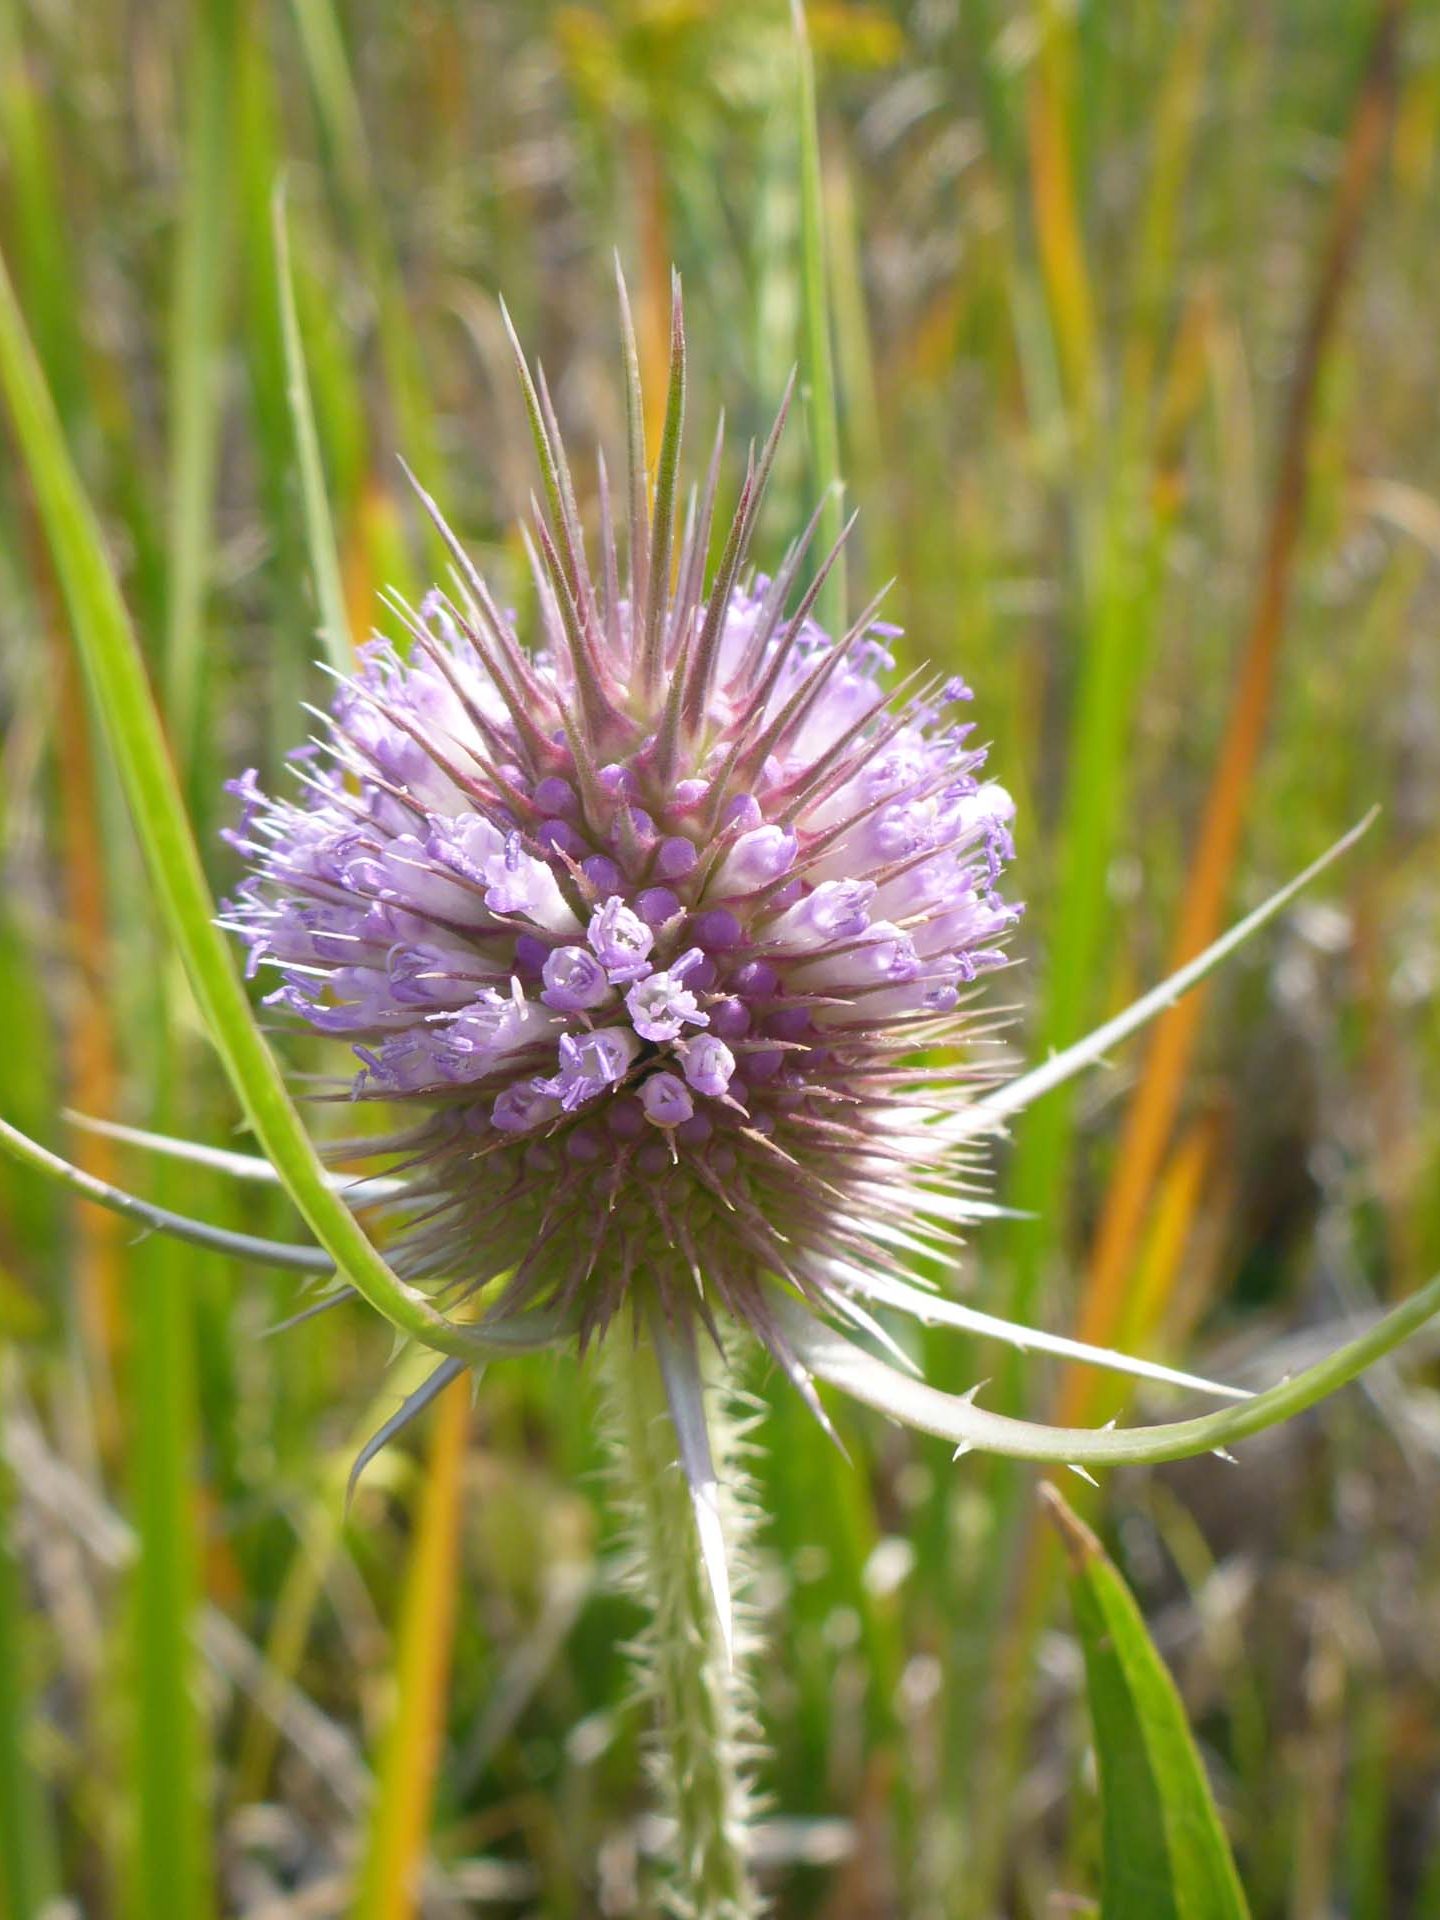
<point x="700" y="1700"/>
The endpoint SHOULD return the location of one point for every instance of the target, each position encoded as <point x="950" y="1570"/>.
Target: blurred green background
<point x="1135" y="341"/>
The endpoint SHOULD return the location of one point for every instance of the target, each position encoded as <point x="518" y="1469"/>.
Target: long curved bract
<point x="832" y="1358"/>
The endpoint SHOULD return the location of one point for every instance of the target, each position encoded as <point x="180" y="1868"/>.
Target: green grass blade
<point x="25" y="1878"/>
<point x="1165" y="1853"/>
<point x="107" y="641"/>
<point x="171" y="1866"/>
<point x="821" y="411"/>
<point x="198" y="317"/>
<point x="319" y="529"/>
<point x="35" y="206"/>
<point x="338" y="104"/>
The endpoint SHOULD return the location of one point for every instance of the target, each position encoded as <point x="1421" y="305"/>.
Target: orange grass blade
<point x="1057" y="217"/>
<point x="405" y="1786"/>
<point x="1151" y="1115"/>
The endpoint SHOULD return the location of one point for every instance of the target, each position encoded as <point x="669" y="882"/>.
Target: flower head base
<point x="649" y="921"/>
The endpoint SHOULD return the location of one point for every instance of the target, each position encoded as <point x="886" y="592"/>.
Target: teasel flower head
<point x="655" y="918"/>
<point x="665" y="921"/>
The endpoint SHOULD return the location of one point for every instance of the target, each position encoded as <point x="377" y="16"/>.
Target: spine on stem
<point x="703" y="1747"/>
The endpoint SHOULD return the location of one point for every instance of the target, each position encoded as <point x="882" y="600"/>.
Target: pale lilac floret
<point x="667" y="1100"/>
<point x="709" y="1065"/>
<point x="621" y="940"/>
<point x="662" y="1005"/>
<point x="431" y="975"/>
<point x="835" y="910"/>
<point x="591" y="1062"/>
<point x="756" y="859"/>
<point x="522" y="885"/>
<point x="574" y="980"/>
<point x="523" y="1106"/>
<point x="882" y="954"/>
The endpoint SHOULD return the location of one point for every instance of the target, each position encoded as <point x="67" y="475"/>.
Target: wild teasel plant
<point x="664" y="928"/>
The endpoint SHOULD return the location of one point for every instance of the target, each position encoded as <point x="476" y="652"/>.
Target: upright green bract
<point x="1165" y="1853"/>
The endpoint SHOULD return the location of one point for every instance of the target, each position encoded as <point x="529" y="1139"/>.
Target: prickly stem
<point x="703" y="1739"/>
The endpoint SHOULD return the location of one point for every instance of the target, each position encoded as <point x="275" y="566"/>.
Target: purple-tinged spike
<point x="697" y="694"/>
<point x="752" y="749"/>
<point x="695" y="683"/>
<point x="691" y="579"/>
<point x="765" y="685"/>
<point x="558" y="493"/>
<point x="772" y="610"/>
<point x="610" y="574"/>
<point x="657" y="597"/>
<point x="569" y="529"/>
<point x="585" y="662"/>
<point x="638" y="548"/>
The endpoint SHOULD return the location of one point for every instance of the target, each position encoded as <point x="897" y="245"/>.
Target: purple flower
<point x="681" y="870"/>
<point x="662" y="1004"/>
<point x="574" y="980"/>
<point x="709" y="1065"/>
<point x="590" y="1063"/>
<point x="621" y="940"/>
<point x="757" y="858"/>
<point x="523" y="1105"/>
<point x="668" y="1102"/>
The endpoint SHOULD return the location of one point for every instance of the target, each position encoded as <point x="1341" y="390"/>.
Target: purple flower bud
<point x="764" y="1065"/>
<point x="730" y="1019"/>
<point x="757" y="980"/>
<point x="584" y="1144"/>
<point x="618" y="780"/>
<point x="741" y="814"/>
<point x="554" y="795"/>
<point x="790" y="1023"/>
<point x="633" y="823"/>
<point x="531" y="954"/>
<point x="701" y="974"/>
<point x="561" y="837"/>
<point x="656" y="905"/>
<point x="675" y="858"/>
<point x="718" y="930"/>
<point x="625" y="1118"/>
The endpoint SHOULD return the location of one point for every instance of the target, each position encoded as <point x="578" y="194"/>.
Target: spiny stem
<point x="700" y="1700"/>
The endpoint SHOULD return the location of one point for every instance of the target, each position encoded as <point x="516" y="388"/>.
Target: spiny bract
<point x="656" y="920"/>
